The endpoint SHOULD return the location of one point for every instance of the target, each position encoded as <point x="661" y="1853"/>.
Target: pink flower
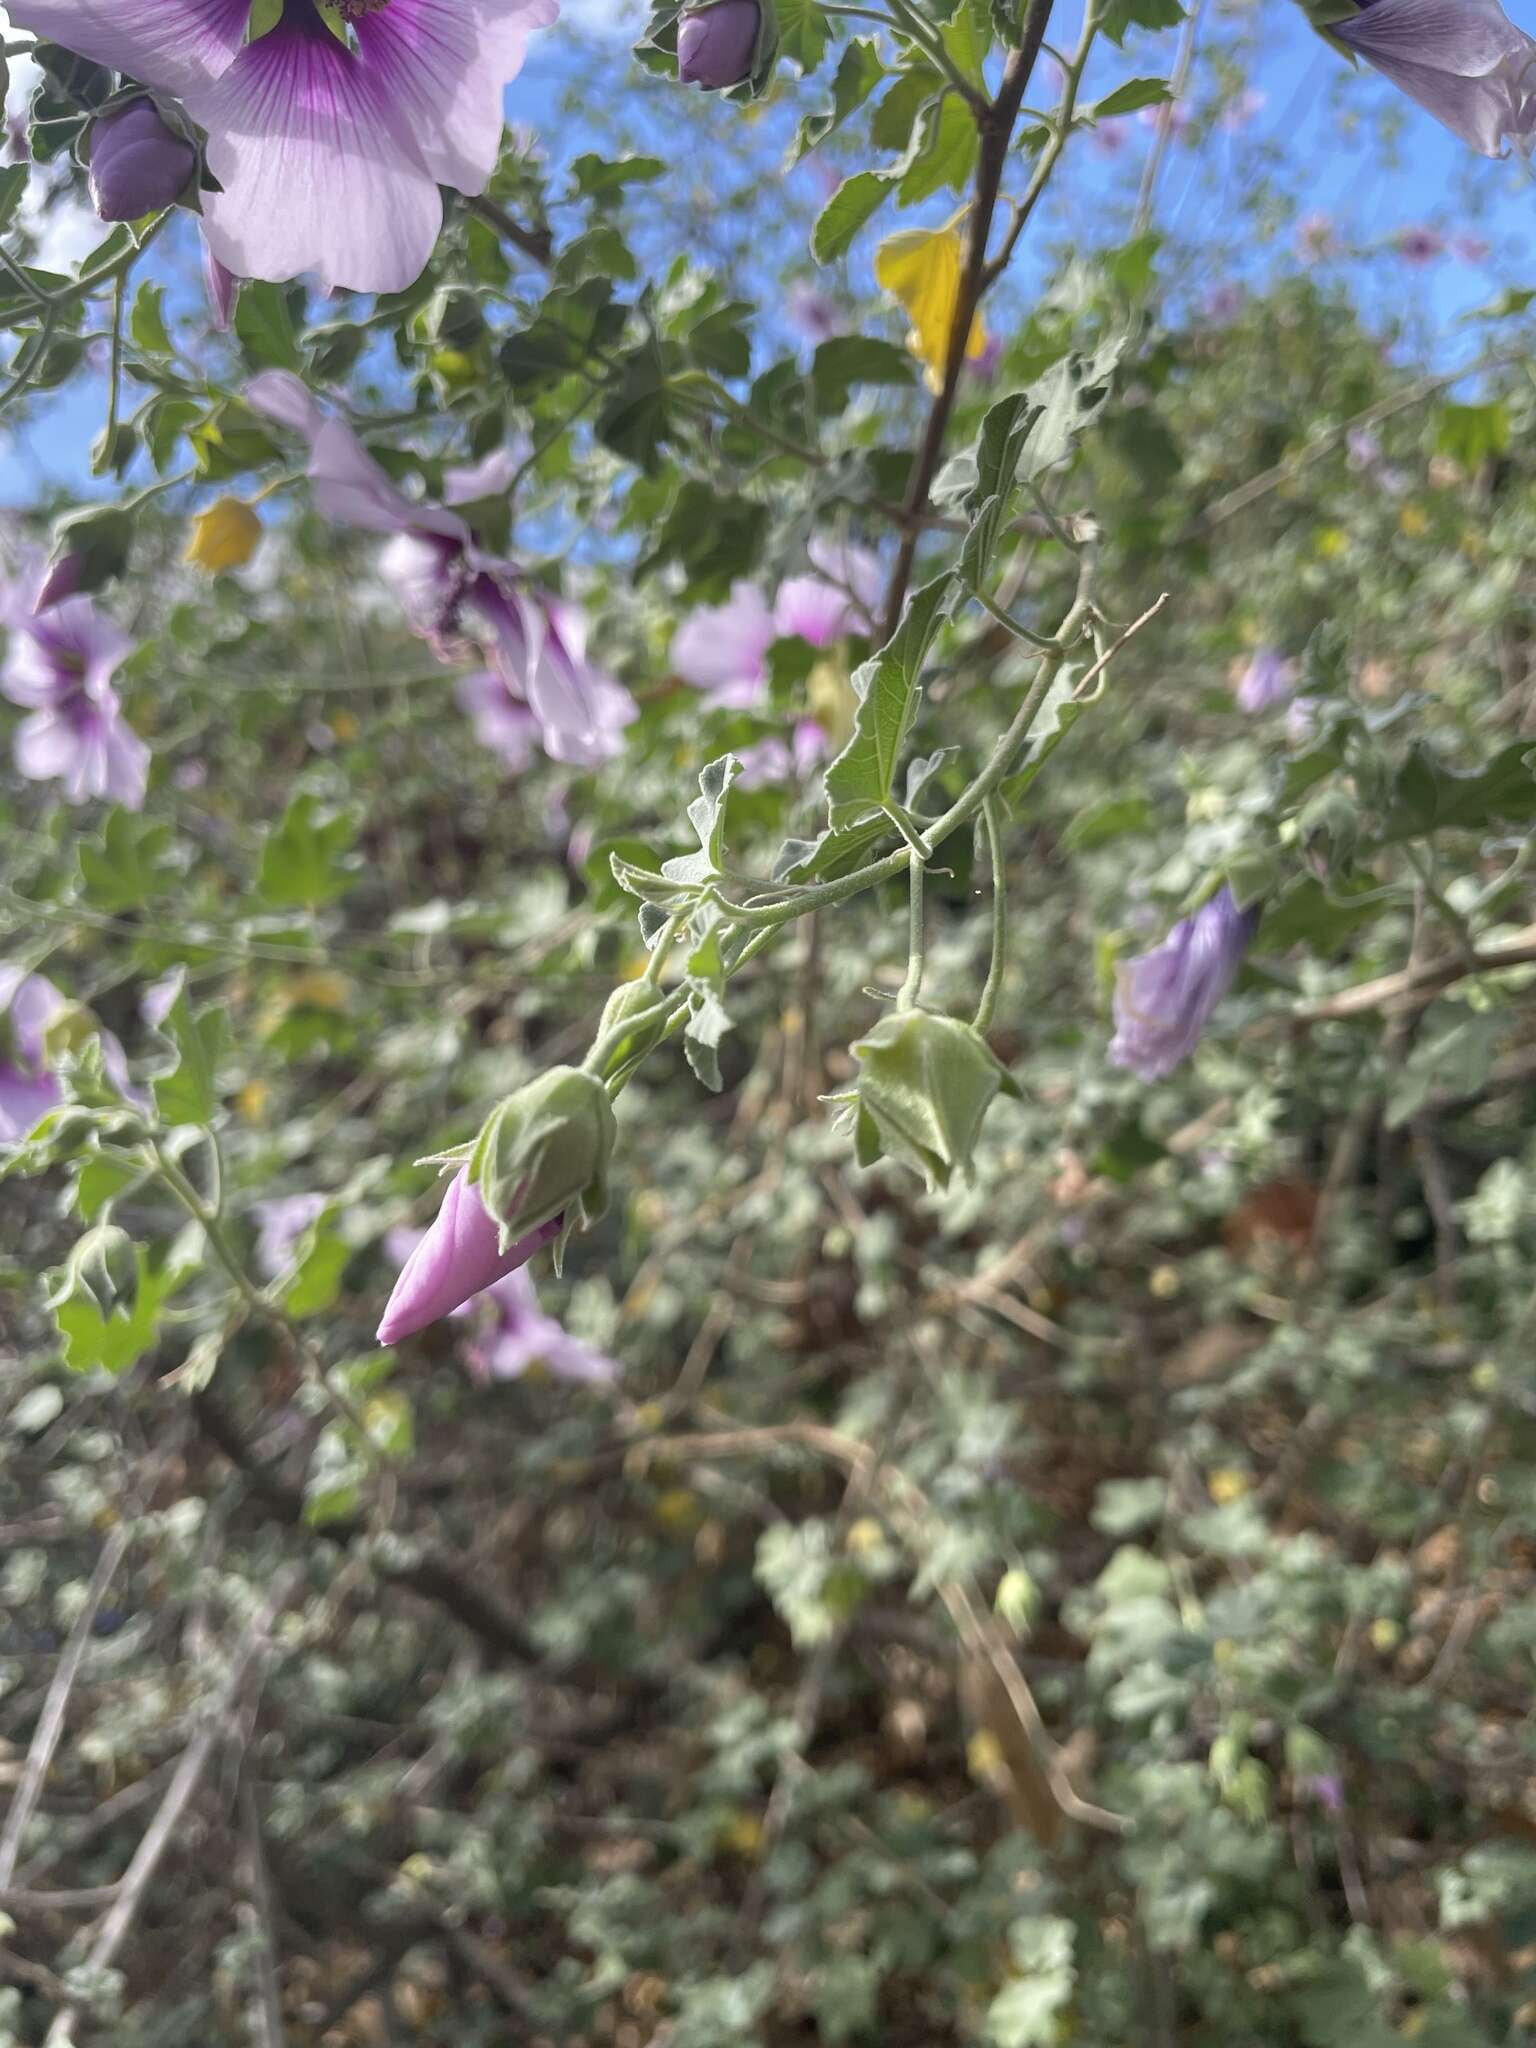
<point x="328" y="154"/>
<point x="28" y="1091"/>
<point x="502" y="725"/>
<point x="460" y="600"/>
<point x="775" y="760"/>
<point x="517" y="1334"/>
<point x="458" y="1258"/>
<point x="29" y="1003"/>
<point x="280" y="1223"/>
<point x="1110" y="137"/>
<point x="1420" y="245"/>
<point x="722" y="649"/>
<point x="59" y="666"/>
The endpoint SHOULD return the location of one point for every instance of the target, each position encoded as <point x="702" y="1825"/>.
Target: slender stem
<point x="992" y="820"/>
<point x="912" y="987"/>
<point x="536" y="243"/>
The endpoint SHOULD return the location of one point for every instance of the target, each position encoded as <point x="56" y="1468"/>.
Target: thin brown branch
<point x="996" y="129"/>
<point x="250" y="1651"/>
<point x="537" y="244"/>
<point x="1413" y="987"/>
<point x="50" y="1724"/>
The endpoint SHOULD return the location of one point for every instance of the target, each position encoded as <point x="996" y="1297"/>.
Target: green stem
<point x="992" y="820"/>
<point x="917" y="940"/>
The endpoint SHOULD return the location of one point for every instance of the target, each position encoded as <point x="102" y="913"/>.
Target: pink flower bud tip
<point x="458" y="1258"/>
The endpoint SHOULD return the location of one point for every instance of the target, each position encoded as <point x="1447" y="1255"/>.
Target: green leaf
<point x="859" y="71"/>
<point x="1130" y="98"/>
<point x="264" y="328"/>
<point x="112" y="1342"/>
<point x="128" y="866"/>
<point x="1470" y="434"/>
<point x="13" y="183"/>
<point x="605" y="178"/>
<point x="863" y="777"/>
<point x="1428" y="796"/>
<point x="1121" y="16"/>
<point x="188" y="1092"/>
<point x="304" y="863"/>
<point x="850" y="359"/>
<point x="706" y="814"/>
<point x="317" y="1282"/>
<point x="855" y="201"/>
<point x="944" y="153"/>
<point x="146" y="323"/>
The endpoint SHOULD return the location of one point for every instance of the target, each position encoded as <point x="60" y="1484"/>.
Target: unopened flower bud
<point x="925" y="1083"/>
<point x="63" y="578"/>
<point x="459" y="1256"/>
<point x="543" y="1154"/>
<point x="138" y="163"/>
<point x="716" y="44"/>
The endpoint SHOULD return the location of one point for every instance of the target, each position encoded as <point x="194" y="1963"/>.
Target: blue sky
<point x="1332" y="141"/>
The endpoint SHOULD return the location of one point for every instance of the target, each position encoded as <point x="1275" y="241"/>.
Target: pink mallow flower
<point x="458" y="1258"/>
<point x="328" y="154"/>
<point x="517" y="1335"/>
<point x="460" y="600"/>
<point x="59" y="666"/>
<point x="29" y="1003"/>
<point x="723" y="649"/>
<point x="1420" y="245"/>
<point x="28" y="1091"/>
<point x="774" y="760"/>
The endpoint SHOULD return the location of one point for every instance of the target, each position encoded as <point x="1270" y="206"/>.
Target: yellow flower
<point x="1413" y="520"/>
<point x="224" y="537"/>
<point x="1227" y="1485"/>
<point x="921" y="268"/>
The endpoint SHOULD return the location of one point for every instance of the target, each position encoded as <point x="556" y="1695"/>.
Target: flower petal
<point x="444" y="64"/>
<point x="320" y="171"/>
<point x="173" y="44"/>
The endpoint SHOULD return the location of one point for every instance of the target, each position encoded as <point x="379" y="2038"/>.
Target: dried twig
<point x="50" y="1724"/>
<point x="137" y="1878"/>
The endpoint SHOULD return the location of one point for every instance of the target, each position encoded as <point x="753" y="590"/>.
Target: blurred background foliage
<point x="699" y="1706"/>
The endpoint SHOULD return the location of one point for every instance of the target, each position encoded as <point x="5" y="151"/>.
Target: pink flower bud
<point x="716" y="44"/>
<point x="459" y="1256"/>
<point x="138" y="164"/>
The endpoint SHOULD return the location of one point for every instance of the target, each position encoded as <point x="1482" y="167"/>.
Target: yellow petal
<point x="223" y="537"/>
<point x="921" y="269"/>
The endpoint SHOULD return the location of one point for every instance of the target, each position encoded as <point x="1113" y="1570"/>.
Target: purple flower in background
<point x="1165" y="998"/>
<point x="221" y="285"/>
<point x="457" y="598"/>
<point x="1224" y="302"/>
<point x="716" y="44"/>
<point x="775" y="760"/>
<point x="1464" y="61"/>
<point x="280" y="1223"/>
<point x="328" y="154"/>
<point x="28" y="1005"/>
<point x="491" y="477"/>
<point x="519" y="1335"/>
<point x="1301" y="721"/>
<point x="458" y="1258"/>
<point x="812" y="312"/>
<point x="1362" y="450"/>
<point x="1326" y="1788"/>
<point x="501" y="724"/>
<point x="722" y="649"/>
<point x="1471" y="249"/>
<point x="1171" y="118"/>
<point x="1266" y="682"/>
<point x="984" y="367"/>
<point x="59" y="666"/>
<point x="1110" y="137"/>
<point x="1420" y="244"/>
<point x="1240" y="111"/>
<point x="139" y="163"/>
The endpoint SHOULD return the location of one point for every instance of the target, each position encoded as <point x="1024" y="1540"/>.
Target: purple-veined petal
<point x="172" y="44"/>
<point x="320" y="171"/>
<point x="442" y="66"/>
